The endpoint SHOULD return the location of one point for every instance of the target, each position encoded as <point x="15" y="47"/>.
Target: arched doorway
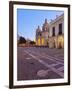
<point x="54" y="43"/>
<point x="47" y="44"/>
<point x="42" y="41"/>
<point x="60" y="45"/>
<point x="60" y="42"/>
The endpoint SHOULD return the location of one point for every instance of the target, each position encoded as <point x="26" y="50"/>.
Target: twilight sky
<point x="28" y="21"/>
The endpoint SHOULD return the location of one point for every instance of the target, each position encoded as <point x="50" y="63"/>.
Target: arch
<point x="60" y="42"/>
<point x="42" y="41"/>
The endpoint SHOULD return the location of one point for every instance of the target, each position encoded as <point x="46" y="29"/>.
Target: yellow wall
<point x="61" y="41"/>
<point x="42" y="40"/>
<point x="39" y="41"/>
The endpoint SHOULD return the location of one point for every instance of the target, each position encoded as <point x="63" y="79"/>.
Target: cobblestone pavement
<point x="35" y="63"/>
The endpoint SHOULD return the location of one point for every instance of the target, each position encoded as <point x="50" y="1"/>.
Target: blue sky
<point x="28" y="21"/>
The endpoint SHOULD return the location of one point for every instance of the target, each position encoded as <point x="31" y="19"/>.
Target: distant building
<point x="42" y="35"/>
<point x="52" y="34"/>
<point x="18" y="37"/>
<point x="28" y="42"/>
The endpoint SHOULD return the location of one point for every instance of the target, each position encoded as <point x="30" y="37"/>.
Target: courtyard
<point x="36" y="63"/>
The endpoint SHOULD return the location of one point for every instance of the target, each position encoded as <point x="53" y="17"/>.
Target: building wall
<point x="42" y="35"/>
<point x="55" y="24"/>
<point x="55" y="41"/>
<point x="47" y="39"/>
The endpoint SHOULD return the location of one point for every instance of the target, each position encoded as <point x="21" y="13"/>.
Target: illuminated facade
<point x="52" y="34"/>
<point x="42" y="35"/>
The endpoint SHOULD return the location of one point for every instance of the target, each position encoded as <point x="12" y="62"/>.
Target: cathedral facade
<point x="51" y="34"/>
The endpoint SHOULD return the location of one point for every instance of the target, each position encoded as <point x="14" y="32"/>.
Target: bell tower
<point x="45" y="26"/>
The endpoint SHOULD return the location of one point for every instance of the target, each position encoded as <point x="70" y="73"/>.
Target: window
<point x="60" y="28"/>
<point x="53" y="31"/>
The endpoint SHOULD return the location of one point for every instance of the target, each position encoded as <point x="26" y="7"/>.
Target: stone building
<point x="56" y="32"/>
<point x="42" y="35"/>
<point x="52" y="34"/>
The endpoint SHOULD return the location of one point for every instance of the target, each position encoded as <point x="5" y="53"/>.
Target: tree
<point x="22" y="40"/>
<point x="32" y="42"/>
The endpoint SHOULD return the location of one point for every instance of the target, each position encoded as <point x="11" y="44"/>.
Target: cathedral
<point x="51" y="34"/>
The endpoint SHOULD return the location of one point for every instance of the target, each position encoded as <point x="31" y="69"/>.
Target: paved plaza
<point x="35" y="63"/>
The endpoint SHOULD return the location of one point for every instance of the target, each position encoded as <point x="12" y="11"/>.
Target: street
<point x="35" y="63"/>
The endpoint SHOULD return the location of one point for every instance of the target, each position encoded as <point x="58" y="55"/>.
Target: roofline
<point x="55" y="20"/>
